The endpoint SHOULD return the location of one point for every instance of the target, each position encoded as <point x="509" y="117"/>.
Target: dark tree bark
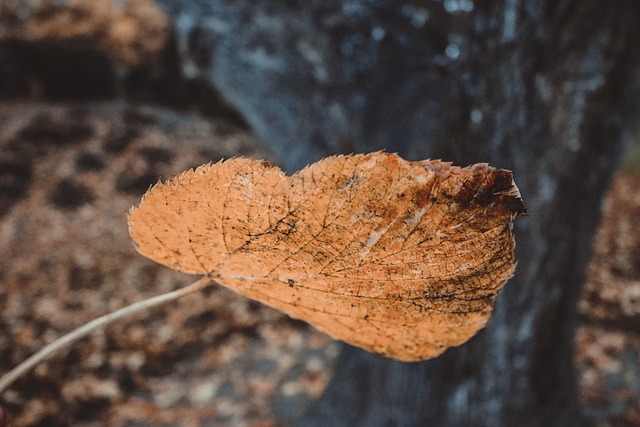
<point x="555" y="105"/>
<point x="543" y="87"/>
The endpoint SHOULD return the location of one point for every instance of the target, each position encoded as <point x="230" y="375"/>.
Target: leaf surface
<point x="399" y="258"/>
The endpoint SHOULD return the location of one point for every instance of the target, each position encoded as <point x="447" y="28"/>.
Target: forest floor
<point x="608" y="339"/>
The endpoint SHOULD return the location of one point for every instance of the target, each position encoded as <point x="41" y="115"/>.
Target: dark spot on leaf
<point x="89" y="162"/>
<point x="421" y="197"/>
<point x="470" y="186"/>
<point x="500" y="180"/>
<point x="268" y="165"/>
<point x="70" y="195"/>
<point x="291" y="282"/>
<point x="495" y="182"/>
<point x="495" y="190"/>
<point x="515" y="205"/>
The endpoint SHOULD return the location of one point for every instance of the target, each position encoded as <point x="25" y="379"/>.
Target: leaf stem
<point x="49" y="350"/>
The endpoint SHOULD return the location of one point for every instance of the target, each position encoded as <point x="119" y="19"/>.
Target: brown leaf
<point x="399" y="258"/>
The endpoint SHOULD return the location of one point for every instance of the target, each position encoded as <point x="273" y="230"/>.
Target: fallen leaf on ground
<point x="399" y="258"/>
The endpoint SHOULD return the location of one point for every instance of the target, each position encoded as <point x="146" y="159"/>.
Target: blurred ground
<point x="608" y="339"/>
<point x="68" y="175"/>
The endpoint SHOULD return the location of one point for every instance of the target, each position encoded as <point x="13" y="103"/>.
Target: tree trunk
<point x="542" y="87"/>
<point x="552" y="103"/>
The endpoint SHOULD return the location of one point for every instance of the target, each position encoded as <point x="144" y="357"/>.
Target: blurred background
<point x="99" y="99"/>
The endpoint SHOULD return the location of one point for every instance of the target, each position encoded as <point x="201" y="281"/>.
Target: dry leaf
<point x="399" y="258"/>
